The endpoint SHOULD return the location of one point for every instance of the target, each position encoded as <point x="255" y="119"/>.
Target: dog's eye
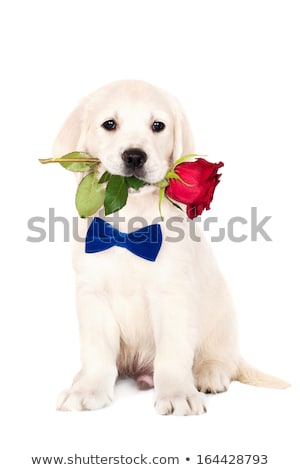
<point x="109" y="125"/>
<point x="158" y="126"/>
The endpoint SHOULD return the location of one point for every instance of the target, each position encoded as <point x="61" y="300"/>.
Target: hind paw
<point x="212" y="379"/>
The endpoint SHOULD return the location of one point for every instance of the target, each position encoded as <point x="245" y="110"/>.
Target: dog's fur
<point x="171" y="322"/>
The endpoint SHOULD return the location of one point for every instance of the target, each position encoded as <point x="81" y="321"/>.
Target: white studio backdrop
<point x="234" y="65"/>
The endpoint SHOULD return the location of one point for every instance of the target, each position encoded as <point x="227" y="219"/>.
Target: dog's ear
<point x="71" y="136"/>
<point x="183" y="137"/>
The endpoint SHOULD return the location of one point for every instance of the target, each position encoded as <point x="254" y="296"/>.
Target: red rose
<point x="194" y="184"/>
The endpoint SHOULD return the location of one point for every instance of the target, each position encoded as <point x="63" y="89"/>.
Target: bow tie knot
<point x="145" y="242"/>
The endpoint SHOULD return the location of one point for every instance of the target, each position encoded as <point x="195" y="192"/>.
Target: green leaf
<point x="173" y="175"/>
<point x="134" y="182"/>
<point x="116" y="194"/>
<point x="89" y="195"/>
<point x="77" y="166"/>
<point x="105" y="177"/>
<point x="186" y="157"/>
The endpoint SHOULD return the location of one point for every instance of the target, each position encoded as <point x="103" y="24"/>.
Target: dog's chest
<point x="130" y="308"/>
<point x="122" y="280"/>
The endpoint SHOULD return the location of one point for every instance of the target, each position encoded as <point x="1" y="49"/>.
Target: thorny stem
<point x="60" y="160"/>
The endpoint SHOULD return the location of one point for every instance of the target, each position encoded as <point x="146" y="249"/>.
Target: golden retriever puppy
<point x="171" y="323"/>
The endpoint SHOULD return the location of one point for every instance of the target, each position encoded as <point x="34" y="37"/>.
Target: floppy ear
<point x="183" y="137"/>
<point x="71" y="137"/>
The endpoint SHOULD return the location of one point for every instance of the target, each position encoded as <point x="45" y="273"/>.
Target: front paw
<point x="181" y="404"/>
<point x="74" y="399"/>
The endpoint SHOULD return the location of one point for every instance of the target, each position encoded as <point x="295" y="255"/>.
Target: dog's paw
<point x="76" y="400"/>
<point x="212" y="379"/>
<point x="181" y="404"/>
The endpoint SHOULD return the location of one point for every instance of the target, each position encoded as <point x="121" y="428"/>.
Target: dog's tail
<point x="247" y="374"/>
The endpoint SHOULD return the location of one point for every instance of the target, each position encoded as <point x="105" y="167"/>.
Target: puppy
<point x="171" y="323"/>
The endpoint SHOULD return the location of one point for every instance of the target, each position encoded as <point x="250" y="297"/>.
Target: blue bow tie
<point x="145" y="242"/>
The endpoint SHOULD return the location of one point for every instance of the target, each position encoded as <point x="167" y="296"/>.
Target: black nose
<point x="134" y="158"/>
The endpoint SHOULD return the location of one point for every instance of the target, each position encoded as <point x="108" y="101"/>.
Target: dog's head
<point x="133" y="127"/>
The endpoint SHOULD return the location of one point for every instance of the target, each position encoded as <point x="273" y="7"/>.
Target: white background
<point x="235" y="67"/>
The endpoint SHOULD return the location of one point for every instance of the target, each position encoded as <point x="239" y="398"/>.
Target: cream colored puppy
<point x="170" y="322"/>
